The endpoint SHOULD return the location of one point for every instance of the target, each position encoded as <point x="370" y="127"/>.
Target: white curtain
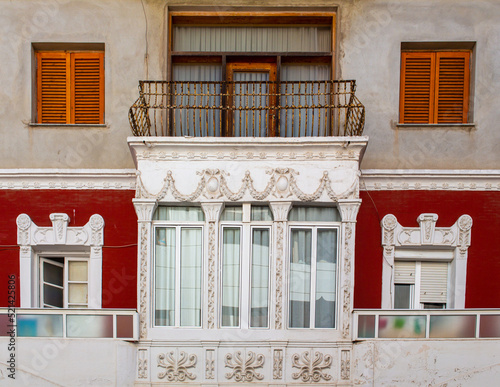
<point x="252" y="39"/>
<point x="300" y="278"/>
<point x="197" y="110"/>
<point x="261" y="213"/>
<point x="190" y="286"/>
<point x="165" y="276"/>
<point x="326" y="284"/>
<point x="189" y="214"/>
<point x="299" y="118"/>
<point x="260" y="278"/>
<point x="231" y="277"/>
<point x="251" y="121"/>
<point x="314" y="214"/>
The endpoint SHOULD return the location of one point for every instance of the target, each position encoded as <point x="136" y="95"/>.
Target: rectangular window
<point x="70" y="87"/>
<point x="63" y="282"/>
<point x="178" y="270"/>
<point x="231" y="250"/>
<point x="435" y="87"/>
<point x="420" y="285"/>
<point x="313" y="273"/>
<point x="259" y="312"/>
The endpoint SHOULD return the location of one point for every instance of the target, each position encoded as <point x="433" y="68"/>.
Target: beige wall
<point x="370" y="35"/>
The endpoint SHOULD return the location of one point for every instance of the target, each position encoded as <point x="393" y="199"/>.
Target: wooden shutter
<point x="404" y="272"/>
<point x="417" y="87"/>
<point x="452" y="87"/>
<point x="88" y="88"/>
<point x="53" y="99"/>
<point x="434" y="282"/>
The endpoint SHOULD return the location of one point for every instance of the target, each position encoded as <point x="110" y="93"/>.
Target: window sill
<point x="471" y="126"/>
<point x="65" y="126"/>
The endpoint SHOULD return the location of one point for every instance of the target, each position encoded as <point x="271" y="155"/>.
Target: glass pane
<point x="366" y="326"/>
<point x="89" y="326"/>
<point x="191" y="248"/>
<point x="252" y="39"/>
<point x="314" y="214"/>
<point x="77" y="270"/>
<point x="188" y="214"/>
<point x="261" y="213"/>
<point x="489" y="325"/>
<point x="326" y="274"/>
<point x="165" y="276"/>
<point x="124" y="326"/>
<point x="300" y="278"/>
<point x="231" y="277"/>
<point x="53" y="296"/>
<point x="260" y="278"/>
<point x="452" y="326"/>
<point x="250" y="100"/>
<point x="402" y="296"/>
<point x="232" y="214"/>
<point x="53" y="274"/>
<point x="401" y="326"/>
<point x="39" y="325"/>
<point x="77" y="293"/>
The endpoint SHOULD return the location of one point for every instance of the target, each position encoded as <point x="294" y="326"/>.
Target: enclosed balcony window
<point x="246" y="75"/>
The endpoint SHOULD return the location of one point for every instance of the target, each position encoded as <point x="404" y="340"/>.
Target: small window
<point x="70" y="87"/>
<point x="63" y="282"/>
<point x="435" y="87"/>
<point x="420" y="284"/>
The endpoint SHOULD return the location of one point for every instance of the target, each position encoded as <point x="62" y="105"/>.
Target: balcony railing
<point x="247" y="109"/>
<point x="427" y="324"/>
<point x="70" y="323"/>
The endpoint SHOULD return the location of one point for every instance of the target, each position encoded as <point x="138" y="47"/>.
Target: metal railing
<point x="426" y="324"/>
<point x="247" y="109"/>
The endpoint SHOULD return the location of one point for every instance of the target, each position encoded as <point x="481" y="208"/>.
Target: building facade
<point x="274" y="194"/>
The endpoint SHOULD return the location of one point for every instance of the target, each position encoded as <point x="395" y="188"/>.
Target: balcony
<point x="247" y="109"/>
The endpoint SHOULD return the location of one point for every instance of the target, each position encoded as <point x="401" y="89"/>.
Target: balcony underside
<point x="247" y="109"/>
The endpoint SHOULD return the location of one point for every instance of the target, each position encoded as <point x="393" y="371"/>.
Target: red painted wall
<point x="119" y="266"/>
<point x="483" y="265"/>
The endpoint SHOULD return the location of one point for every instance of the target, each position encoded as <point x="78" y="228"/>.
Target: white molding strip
<point x="71" y="179"/>
<point x="430" y="179"/>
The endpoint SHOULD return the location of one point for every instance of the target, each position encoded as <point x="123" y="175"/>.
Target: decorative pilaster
<point x="280" y="213"/>
<point x="144" y="210"/>
<point x="212" y="213"/>
<point x="349" y="211"/>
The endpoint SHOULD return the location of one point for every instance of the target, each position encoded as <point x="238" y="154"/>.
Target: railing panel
<point x="426" y="324"/>
<point x="247" y="109"/>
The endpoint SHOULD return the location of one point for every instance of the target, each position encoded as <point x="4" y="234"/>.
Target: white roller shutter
<point x="404" y="272"/>
<point x="434" y="282"/>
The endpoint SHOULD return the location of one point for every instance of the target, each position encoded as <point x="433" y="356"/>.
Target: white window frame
<point x="59" y="239"/>
<point x="246" y="226"/>
<point x="66" y="258"/>
<point x="427" y="243"/>
<point x="178" y="226"/>
<point x="312" y="308"/>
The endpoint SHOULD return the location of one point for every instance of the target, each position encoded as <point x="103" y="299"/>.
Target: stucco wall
<point x="370" y="36"/>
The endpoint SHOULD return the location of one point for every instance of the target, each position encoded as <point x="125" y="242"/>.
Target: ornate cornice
<point x="428" y="179"/>
<point x="80" y="179"/>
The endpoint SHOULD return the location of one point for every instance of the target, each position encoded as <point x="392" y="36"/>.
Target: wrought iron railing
<point x="247" y="109"/>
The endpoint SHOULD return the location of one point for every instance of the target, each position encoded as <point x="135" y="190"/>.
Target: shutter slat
<point x="88" y="91"/>
<point x="434" y="282"/>
<point x="452" y="87"/>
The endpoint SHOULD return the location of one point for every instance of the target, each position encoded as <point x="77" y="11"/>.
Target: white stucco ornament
<point x="212" y="185"/>
<point x="282" y="183"/>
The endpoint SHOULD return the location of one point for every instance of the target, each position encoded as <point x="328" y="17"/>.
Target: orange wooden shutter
<point x="417" y="87"/>
<point x="452" y="99"/>
<point x="53" y="82"/>
<point x="88" y="88"/>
